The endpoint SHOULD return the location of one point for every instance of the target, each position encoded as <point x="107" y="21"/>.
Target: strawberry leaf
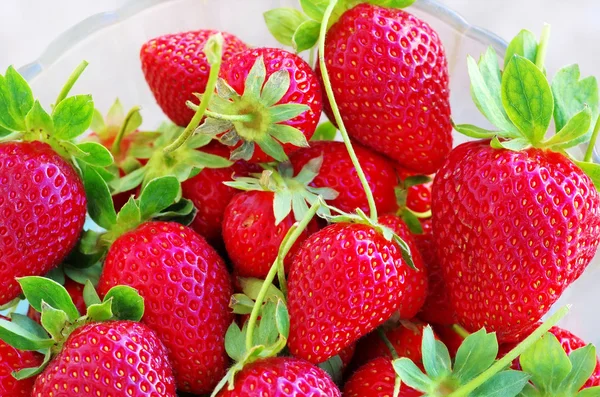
<point x="306" y="36"/>
<point x="583" y="363"/>
<point x="503" y="384"/>
<point x="235" y="341"/>
<point x="21" y="339"/>
<point x="334" y="368"/>
<point x="573" y="133"/>
<point x="95" y="154"/>
<point x="97" y="124"/>
<point x="53" y="320"/>
<point x="129" y="181"/>
<point x="38" y="121"/>
<point x="592" y="170"/>
<point x="315" y="9"/>
<point x="282" y="319"/>
<point x="524" y="44"/>
<point x="436" y="358"/>
<point x="326" y="131"/>
<point x="590" y="392"/>
<point x="241" y="304"/>
<point x="527" y="98"/>
<point x="127" y="304"/>
<point x="101" y="311"/>
<point x="29" y="372"/>
<point x="159" y="194"/>
<point x="99" y="201"/>
<point x="410" y="374"/>
<point x="90" y="272"/>
<point x="547" y="363"/>
<point x="16" y="99"/>
<point x="90" y="296"/>
<point x="512" y="144"/>
<point x="283" y="22"/>
<point x="477" y="352"/>
<point x="28" y="324"/>
<point x="473" y="131"/>
<point x="72" y="116"/>
<point x="38" y="289"/>
<point x="412" y="222"/>
<point x="392" y="3"/>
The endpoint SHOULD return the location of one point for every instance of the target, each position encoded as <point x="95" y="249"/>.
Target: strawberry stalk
<point x="336" y="111"/>
<point x="460" y="331"/>
<point x="590" y="149"/>
<point x="285" y="248"/>
<point x="540" y="57"/>
<point x="116" y="147"/>
<point x="506" y="361"/>
<point x="217" y="55"/>
<point x="394" y="353"/>
<point x="71" y="82"/>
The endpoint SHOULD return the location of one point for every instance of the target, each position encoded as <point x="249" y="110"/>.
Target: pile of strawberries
<point x="240" y="250"/>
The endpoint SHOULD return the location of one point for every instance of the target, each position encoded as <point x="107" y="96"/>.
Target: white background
<point x="29" y="25"/>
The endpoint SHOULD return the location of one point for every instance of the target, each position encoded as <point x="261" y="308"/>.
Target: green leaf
<point x="38" y="289"/>
<point x="97" y="124"/>
<point x="4" y="132"/>
<point x="282" y="205"/>
<point x="129" y="181"/>
<point x="571" y="95"/>
<point x="255" y="79"/>
<point x="527" y="98"/>
<point x="282" y="319"/>
<point x="57" y="274"/>
<point x="286" y="112"/>
<point x="182" y="212"/>
<point x="287" y="134"/>
<point x="326" y="131"/>
<point x="583" y="363"/>
<point x="127" y="303"/>
<point x="38" y="120"/>
<point x="83" y="274"/>
<point x="516" y="144"/>
<point x="473" y="131"/>
<point x="306" y="36"/>
<point x="283" y="22"/>
<point x="570" y="134"/>
<point x="116" y="114"/>
<point x="241" y="304"/>
<point x="592" y="170"/>
<point x="99" y="201"/>
<point x="392" y="3"/>
<point x="96" y="154"/>
<point x="202" y="160"/>
<point x="16" y="99"/>
<point x="547" y="364"/>
<point x="488" y="97"/>
<point x="524" y="44"/>
<point x="130" y="214"/>
<point x="477" y="352"/>
<point x="101" y="311"/>
<point x="436" y="358"/>
<point x="53" y="320"/>
<point x="411" y="375"/>
<point x="90" y="296"/>
<point x="21" y="339"/>
<point x="503" y="384"/>
<point x="235" y="342"/>
<point x="29" y="325"/>
<point x="412" y="221"/>
<point x="251" y="287"/>
<point x="30" y="372"/>
<point x="73" y="116"/>
<point x="334" y="368"/>
<point x="159" y="194"/>
<point x="273" y="148"/>
<point x="275" y="88"/>
<point x="315" y="9"/>
<point x="590" y="392"/>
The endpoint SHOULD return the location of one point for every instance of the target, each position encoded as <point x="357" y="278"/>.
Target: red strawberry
<point x="389" y="74"/>
<point x="42" y="212"/>
<point x="344" y="281"/>
<point x="267" y="66"/>
<point x="513" y="229"/>
<point x="186" y="288"/>
<point x="416" y="286"/>
<point x="406" y="339"/>
<point x="176" y="67"/>
<point x="108" y="359"/>
<point x="11" y="360"/>
<point x="75" y="291"/>
<point x="210" y="196"/>
<point x="376" y="379"/>
<point x="281" y="376"/>
<point x="338" y="173"/>
<point x="418" y="196"/>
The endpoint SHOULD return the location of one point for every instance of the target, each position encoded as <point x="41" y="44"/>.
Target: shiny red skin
<point x="438" y="308"/>
<point x="389" y="74"/>
<point x="304" y="89"/>
<point x="569" y="342"/>
<point x="282" y="376"/>
<point x="75" y="291"/>
<point x="116" y="358"/>
<point x="405" y="339"/>
<point x="42" y="212"/>
<point x="344" y="282"/>
<point x="175" y="67"/>
<point x="376" y="379"/>
<point x="210" y="196"/>
<point x="251" y="237"/>
<point x="416" y="286"/>
<point x="11" y="360"/>
<point x="513" y="229"/>
<point x="186" y="289"/>
<point x="338" y="173"/>
<point x="449" y="337"/>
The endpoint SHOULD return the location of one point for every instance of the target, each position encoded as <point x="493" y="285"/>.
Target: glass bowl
<point x="110" y="42"/>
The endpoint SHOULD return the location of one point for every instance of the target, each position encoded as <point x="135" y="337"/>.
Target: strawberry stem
<point x="460" y="331"/>
<point x="592" y="144"/>
<point x="230" y="117"/>
<point x="540" y="58"/>
<point x="336" y="111"/>
<point x="116" y="146"/>
<point x="505" y="361"/>
<point x="283" y="251"/>
<point x="210" y="89"/>
<point x="394" y="353"/>
<point x="71" y="82"/>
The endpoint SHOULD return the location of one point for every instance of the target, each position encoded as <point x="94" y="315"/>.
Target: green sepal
<point x="524" y="44"/>
<point x="592" y="170"/>
<point x="473" y="131"/>
<point x="72" y="116"/>
<point x="82" y="274"/>
<point x="515" y="144"/>
<point x="38" y="121"/>
<point x="127" y="304"/>
<point x="306" y="36"/>
<point x="182" y="212"/>
<point x="21" y="339"/>
<point x="241" y="304"/>
<point x="326" y="131"/>
<point x="53" y="320"/>
<point x="283" y="23"/>
<point x="590" y="392"/>
<point x="57" y="274"/>
<point x="583" y="364"/>
<point x="99" y="201"/>
<point x="436" y="358"/>
<point x="129" y="181"/>
<point x="101" y="311"/>
<point x="251" y="287"/>
<point x="412" y="221"/>
<point x="476" y="354"/>
<point x="573" y="133"/>
<point x="334" y="367"/>
<point x="29" y="325"/>
<point x="30" y="372"/>
<point x="159" y="194"/>
<point x="412" y="375"/>
<point x="504" y="384"/>
<point x="16" y="99"/>
<point x="235" y="341"/>
<point x="37" y="289"/>
<point x="94" y="154"/>
<point x="90" y="296"/>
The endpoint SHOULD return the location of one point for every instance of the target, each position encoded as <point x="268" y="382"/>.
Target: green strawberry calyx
<point x="291" y="193"/>
<point x="60" y="317"/>
<point x="475" y="370"/>
<point x="254" y="117"/>
<point x="410" y="217"/>
<point x="300" y="29"/>
<point x="521" y="102"/>
<point x="23" y="118"/>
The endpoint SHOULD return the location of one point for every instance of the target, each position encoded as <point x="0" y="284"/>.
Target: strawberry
<point x="175" y="67"/>
<point x="415" y="191"/>
<point x="389" y="74"/>
<point x="186" y="287"/>
<point x="75" y="291"/>
<point x="104" y="359"/>
<point x="281" y="376"/>
<point x="210" y="195"/>
<point x="11" y="360"/>
<point x="338" y="173"/>
<point x="416" y="284"/>
<point x="344" y="281"/>
<point x="516" y="220"/>
<point x="267" y="97"/>
<point x="376" y="379"/>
